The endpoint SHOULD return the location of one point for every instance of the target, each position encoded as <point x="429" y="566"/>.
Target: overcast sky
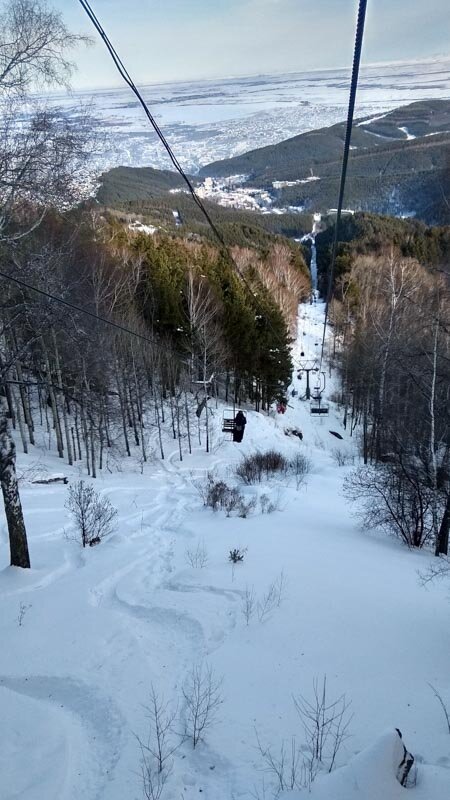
<point x="182" y="39"/>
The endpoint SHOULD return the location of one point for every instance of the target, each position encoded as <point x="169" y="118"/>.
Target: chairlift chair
<point x="316" y="405"/>
<point x="228" y="423"/>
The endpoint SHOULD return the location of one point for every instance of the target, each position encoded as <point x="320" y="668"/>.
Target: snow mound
<point x="371" y="775"/>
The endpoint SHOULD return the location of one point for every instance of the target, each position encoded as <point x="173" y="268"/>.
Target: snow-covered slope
<point x="99" y="627"/>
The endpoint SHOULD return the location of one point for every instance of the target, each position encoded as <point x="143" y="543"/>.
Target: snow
<point x="100" y="625"/>
<point x="208" y="120"/>
<point x="139" y="227"/>
<point x="369" y="121"/>
<point x="371" y="776"/>
<point x="343" y="211"/>
<point x="283" y="184"/>
<point x="408" y="135"/>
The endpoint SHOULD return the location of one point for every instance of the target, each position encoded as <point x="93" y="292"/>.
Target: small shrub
<point x="94" y="515"/>
<point x="216" y="494"/>
<point x="232" y="500"/>
<point x="272" y="598"/>
<point x="248" y="605"/>
<point x="254" y="468"/>
<point x="23" y="608"/>
<point x="202" y="697"/>
<point x="236" y="555"/>
<point x="246" y="507"/>
<point x="299" y="467"/>
<point x="198" y="558"/>
<point x="341" y="458"/>
<point x="262" y="466"/>
<point x="267" y="507"/>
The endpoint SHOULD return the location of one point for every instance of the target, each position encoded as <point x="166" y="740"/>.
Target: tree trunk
<point x="20" y="423"/>
<point x="13" y="508"/>
<point x="7" y="387"/>
<point x="365" y="426"/>
<point x="158" y="422"/>
<point x="25" y="403"/>
<point x="188" y="427"/>
<point x="206" y="398"/>
<point x="64" y="409"/>
<point x="85" y="436"/>
<point x="122" y="410"/>
<point x="139" y="408"/>
<point x="433" y="448"/>
<point x="92" y="443"/>
<point x="73" y="444"/>
<point x="54" y="406"/>
<point x="133" y="417"/>
<point x="444" y="529"/>
<point x="106" y="415"/>
<point x="77" y="431"/>
<point x="178" y="428"/>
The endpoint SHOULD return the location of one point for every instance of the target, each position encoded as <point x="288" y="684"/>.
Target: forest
<point x="208" y="588"/>
<point x="390" y="314"/>
<point x="388" y="173"/>
<point x="98" y="322"/>
<point x="144" y="193"/>
<point x="201" y="333"/>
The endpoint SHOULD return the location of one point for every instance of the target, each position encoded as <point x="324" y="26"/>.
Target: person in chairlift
<point x="240" y="422"/>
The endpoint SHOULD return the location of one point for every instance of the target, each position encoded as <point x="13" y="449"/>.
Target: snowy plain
<point x="209" y="120"/>
<point x="100" y="626"/>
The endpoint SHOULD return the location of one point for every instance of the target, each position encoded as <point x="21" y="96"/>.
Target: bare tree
<point x="393" y="497"/>
<point x="248" y="604"/>
<point x="37" y="165"/>
<point x="202" y="697"/>
<point x="286" y="766"/>
<point x="198" y="557"/>
<point x="325" y="723"/>
<point x="272" y="598"/>
<point x="442" y="704"/>
<point x="33" y="46"/>
<point x="158" y="748"/>
<point x="206" y="339"/>
<point x="94" y="516"/>
<point x="19" y="555"/>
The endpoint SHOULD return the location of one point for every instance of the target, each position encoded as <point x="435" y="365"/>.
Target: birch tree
<point x="38" y="165"/>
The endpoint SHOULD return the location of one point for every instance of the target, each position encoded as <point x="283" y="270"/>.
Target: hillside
<point x="399" y="164"/>
<point x="158" y="597"/>
<point x="148" y="194"/>
<point x="364" y="233"/>
<point x="134" y="184"/>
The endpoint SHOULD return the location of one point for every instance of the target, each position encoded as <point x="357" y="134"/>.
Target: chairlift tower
<point x="307" y="367"/>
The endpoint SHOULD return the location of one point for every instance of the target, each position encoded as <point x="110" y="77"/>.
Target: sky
<point x="168" y="40"/>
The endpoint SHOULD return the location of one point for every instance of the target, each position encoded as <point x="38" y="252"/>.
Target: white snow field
<point x="100" y="626"/>
<point x="208" y="120"/>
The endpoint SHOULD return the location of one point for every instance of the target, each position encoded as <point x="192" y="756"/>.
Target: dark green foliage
<point x="236" y="555"/>
<point x="138" y="184"/>
<point x="254" y="329"/>
<point x="386" y="173"/>
<point x="145" y="193"/>
<point x="365" y="233"/>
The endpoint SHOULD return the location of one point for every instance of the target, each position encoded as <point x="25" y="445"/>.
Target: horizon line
<point x="231" y="77"/>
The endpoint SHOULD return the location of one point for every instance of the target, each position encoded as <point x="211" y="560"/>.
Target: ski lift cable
<point x="351" y="107"/>
<point x="75" y="307"/>
<point x="121" y="68"/>
<point x="126" y="77"/>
